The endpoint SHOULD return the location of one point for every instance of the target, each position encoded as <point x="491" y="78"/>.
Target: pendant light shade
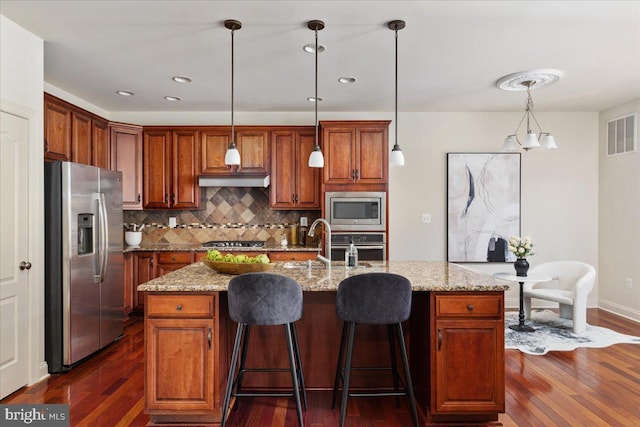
<point x="316" y="159"/>
<point x="232" y="156"/>
<point x="397" y="156"/>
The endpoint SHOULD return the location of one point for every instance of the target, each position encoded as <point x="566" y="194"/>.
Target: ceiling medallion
<point x="530" y="79"/>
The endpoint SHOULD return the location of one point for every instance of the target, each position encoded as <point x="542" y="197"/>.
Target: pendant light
<point x="316" y="159"/>
<point x="397" y="157"/>
<point x="232" y="156"/>
<point x="527" y="80"/>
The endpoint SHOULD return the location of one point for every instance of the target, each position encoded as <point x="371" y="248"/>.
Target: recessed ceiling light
<point x="172" y="98"/>
<point x="313" y="99"/>
<point x="311" y="48"/>
<point x="346" y="80"/>
<point x="181" y="79"/>
<point x="522" y="80"/>
<point x="125" y="93"/>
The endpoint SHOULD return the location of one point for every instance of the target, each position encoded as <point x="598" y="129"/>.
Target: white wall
<point x="619" y="222"/>
<point x="559" y="195"/>
<point x="21" y="81"/>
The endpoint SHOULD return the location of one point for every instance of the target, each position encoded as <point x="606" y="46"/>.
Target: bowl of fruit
<point x="236" y="264"/>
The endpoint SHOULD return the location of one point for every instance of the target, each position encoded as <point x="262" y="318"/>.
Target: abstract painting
<point x="483" y="206"/>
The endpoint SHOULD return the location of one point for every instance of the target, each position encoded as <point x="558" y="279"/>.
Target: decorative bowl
<point x="236" y="267"/>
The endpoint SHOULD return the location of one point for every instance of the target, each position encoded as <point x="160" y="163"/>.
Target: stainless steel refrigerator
<point x="83" y="262"/>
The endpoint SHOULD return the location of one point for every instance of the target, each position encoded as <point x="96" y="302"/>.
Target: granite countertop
<point x="176" y="247"/>
<point x="423" y="275"/>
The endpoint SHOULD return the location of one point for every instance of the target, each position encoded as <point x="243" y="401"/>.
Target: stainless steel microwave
<point x="356" y="210"/>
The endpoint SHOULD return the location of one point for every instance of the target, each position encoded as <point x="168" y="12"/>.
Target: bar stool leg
<point x="336" y="382"/>
<point x="294" y="375"/>
<point x="243" y="359"/>
<point x="232" y="370"/>
<point x="407" y="374"/>
<point x="347" y="374"/>
<point x="300" y="371"/>
<point x="394" y="363"/>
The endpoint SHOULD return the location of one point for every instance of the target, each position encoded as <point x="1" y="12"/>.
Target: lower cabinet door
<point x="469" y="367"/>
<point x="179" y="368"/>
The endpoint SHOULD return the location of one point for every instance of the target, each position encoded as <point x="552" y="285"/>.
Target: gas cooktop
<point x="233" y="244"/>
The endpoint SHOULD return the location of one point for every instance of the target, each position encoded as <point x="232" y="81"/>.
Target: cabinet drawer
<point x="174" y="257"/>
<point x="469" y="305"/>
<point x="180" y="306"/>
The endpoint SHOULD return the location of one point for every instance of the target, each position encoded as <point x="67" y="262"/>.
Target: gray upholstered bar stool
<point x="264" y="299"/>
<point x="377" y="299"/>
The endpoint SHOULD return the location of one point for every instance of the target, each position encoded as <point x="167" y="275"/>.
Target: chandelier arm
<point x="526" y="113"/>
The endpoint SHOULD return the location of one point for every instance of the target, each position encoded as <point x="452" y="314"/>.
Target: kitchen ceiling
<point x="450" y="54"/>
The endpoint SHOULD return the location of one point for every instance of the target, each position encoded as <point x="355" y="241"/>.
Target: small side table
<point x="521" y="327"/>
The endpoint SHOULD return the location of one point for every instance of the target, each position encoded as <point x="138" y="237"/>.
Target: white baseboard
<point x="620" y="310"/>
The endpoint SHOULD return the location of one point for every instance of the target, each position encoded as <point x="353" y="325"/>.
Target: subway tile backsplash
<point x="230" y="213"/>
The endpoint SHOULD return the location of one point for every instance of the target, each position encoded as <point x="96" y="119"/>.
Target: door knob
<point x="25" y="265"/>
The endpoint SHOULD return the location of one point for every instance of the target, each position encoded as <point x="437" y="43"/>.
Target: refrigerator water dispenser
<point x="85" y="233"/>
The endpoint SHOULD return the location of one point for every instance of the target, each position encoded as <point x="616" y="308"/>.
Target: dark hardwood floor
<point x="585" y="387"/>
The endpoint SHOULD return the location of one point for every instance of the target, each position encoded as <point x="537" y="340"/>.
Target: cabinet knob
<point x="25" y="265"/>
<point x="470" y="307"/>
<point x="179" y="307"/>
<point x="139" y="198"/>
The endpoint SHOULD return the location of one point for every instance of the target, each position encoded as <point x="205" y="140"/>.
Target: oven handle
<point x="358" y="247"/>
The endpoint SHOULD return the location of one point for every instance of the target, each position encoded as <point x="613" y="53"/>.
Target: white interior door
<point x="14" y="253"/>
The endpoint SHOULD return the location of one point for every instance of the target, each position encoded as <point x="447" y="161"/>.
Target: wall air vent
<point x="622" y="135"/>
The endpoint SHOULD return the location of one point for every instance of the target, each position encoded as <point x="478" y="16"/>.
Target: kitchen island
<point x="455" y="337"/>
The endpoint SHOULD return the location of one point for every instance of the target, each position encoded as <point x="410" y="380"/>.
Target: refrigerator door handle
<point x="104" y="227"/>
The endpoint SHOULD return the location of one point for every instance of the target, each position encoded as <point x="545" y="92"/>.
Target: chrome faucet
<point x="327" y="229"/>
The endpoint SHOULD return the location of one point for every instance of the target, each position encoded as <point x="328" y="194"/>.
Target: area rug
<point x="553" y="333"/>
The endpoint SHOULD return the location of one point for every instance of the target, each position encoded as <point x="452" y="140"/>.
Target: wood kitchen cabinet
<point x="57" y="129"/>
<point x="467" y="355"/>
<point x="172" y="261"/>
<point x="144" y="269"/>
<point x="125" y="148"/>
<point x="128" y="289"/>
<point x="180" y="332"/>
<point x="355" y="152"/>
<point x="252" y="143"/>
<point x="73" y="134"/>
<point x="100" y="155"/>
<point x="294" y="185"/>
<point x="171" y="160"/>
<point x="80" y="138"/>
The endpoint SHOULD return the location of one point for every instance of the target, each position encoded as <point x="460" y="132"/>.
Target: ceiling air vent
<point x="622" y="135"/>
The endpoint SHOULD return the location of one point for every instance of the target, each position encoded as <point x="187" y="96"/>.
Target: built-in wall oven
<point x="356" y="210"/>
<point x="371" y="246"/>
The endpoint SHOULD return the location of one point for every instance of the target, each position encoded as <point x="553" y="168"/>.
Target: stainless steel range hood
<point x="235" y="181"/>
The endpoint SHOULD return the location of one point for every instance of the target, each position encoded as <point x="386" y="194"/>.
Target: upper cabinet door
<point x="186" y="167"/>
<point x="214" y="143"/>
<point x="80" y="138"/>
<point x="307" y="179"/>
<point x="355" y="152"/>
<point x="126" y="157"/>
<point x="371" y="155"/>
<point x="253" y="145"/>
<point x="100" y="143"/>
<point x="294" y="185"/>
<point x="339" y="145"/>
<point x="157" y="169"/>
<point x="57" y="130"/>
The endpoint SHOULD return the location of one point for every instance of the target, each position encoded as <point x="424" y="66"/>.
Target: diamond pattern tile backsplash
<point x="230" y="213"/>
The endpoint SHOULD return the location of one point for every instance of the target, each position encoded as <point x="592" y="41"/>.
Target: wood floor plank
<point x="585" y="387"/>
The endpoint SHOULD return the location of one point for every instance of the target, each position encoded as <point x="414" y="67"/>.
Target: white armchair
<point x="570" y="285"/>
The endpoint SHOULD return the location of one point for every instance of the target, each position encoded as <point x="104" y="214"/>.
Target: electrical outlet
<point x="629" y="283"/>
<point x="303" y="221"/>
<point x="426" y="218"/>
